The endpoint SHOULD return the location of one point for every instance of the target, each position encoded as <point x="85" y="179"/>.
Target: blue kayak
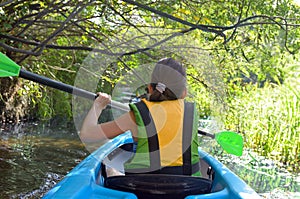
<point x="90" y="180"/>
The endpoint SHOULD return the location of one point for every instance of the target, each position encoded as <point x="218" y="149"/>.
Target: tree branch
<point x="42" y="45"/>
<point x="239" y="19"/>
<point x="6" y="3"/>
<point x="107" y="52"/>
<point x="92" y="33"/>
<point x="195" y="26"/>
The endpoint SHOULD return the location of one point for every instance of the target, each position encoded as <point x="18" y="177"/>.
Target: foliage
<point x="248" y="47"/>
<point x="269" y="119"/>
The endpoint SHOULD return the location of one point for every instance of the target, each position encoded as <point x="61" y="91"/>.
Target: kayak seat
<point x="164" y="186"/>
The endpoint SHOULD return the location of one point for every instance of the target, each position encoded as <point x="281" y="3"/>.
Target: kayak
<point x="91" y="179"/>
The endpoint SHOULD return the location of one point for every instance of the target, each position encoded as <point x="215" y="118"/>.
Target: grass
<point x="269" y="118"/>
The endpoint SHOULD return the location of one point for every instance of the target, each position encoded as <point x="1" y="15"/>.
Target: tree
<point x="229" y="31"/>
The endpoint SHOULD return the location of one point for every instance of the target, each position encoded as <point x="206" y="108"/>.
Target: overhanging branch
<point x="84" y="48"/>
<point x="195" y="26"/>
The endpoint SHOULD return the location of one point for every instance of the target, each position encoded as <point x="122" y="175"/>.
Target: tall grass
<point x="269" y="117"/>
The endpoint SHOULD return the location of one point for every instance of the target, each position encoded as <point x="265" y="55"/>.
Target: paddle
<point x="10" y="68"/>
<point x="229" y="141"/>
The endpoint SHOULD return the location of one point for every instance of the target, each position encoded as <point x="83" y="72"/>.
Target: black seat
<point x="146" y="186"/>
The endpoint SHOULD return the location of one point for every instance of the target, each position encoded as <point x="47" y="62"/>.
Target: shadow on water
<point x="34" y="157"/>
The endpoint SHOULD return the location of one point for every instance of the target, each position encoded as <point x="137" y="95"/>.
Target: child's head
<point x="168" y="80"/>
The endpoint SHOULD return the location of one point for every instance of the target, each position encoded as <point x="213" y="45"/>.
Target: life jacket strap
<point x="152" y="136"/>
<point x="187" y="134"/>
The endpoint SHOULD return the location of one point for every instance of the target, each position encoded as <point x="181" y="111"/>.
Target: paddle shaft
<point x="79" y="92"/>
<point x="206" y="134"/>
<point x="67" y="88"/>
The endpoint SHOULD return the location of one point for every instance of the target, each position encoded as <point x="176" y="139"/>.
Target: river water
<point x="35" y="156"/>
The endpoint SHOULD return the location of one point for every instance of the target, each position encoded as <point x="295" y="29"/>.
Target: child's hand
<point x="102" y="100"/>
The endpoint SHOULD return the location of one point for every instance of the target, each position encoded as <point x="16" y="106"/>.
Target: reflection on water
<point x="34" y="157"/>
<point x="265" y="177"/>
<point x="270" y="181"/>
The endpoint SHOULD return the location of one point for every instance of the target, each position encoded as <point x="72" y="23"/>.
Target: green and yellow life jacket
<point x="167" y="138"/>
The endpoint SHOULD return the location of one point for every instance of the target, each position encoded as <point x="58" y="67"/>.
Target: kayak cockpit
<point x="90" y="179"/>
<point x="149" y="185"/>
<point x="216" y="180"/>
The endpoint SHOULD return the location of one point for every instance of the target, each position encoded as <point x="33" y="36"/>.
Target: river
<point x="35" y="156"/>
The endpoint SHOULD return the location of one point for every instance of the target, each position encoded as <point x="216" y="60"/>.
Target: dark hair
<point x="170" y="73"/>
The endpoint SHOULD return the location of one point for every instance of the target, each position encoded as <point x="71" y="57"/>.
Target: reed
<point x="269" y="118"/>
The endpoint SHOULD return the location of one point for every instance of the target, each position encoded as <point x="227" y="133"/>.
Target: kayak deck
<point x="86" y="180"/>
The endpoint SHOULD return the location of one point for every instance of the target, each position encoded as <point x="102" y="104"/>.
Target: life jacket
<point x="167" y="138"/>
